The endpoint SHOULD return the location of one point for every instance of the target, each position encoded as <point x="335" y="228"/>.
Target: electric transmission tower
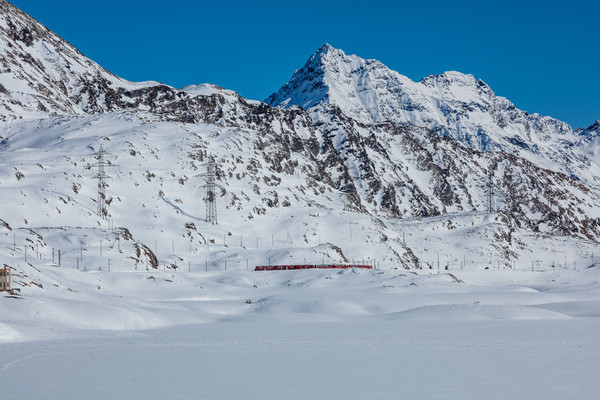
<point x="348" y="193"/>
<point x="490" y="191"/>
<point x="101" y="165"/>
<point x="210" y="177"/>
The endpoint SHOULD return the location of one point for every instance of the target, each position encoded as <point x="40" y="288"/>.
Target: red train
<point x="293" y="267"/>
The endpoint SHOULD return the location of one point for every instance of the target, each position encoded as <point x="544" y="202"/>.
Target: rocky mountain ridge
<point x="451" y="104"/>
<point x="42" y="75"/>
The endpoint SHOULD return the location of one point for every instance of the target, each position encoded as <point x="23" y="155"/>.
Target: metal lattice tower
<point x="347" y="198"/>
<point x="101" y="176"/>
<point x="490" y="191"/>
<point x="210" y="177"/>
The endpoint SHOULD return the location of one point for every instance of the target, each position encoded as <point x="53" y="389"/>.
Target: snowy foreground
<point x="313" y="334"/>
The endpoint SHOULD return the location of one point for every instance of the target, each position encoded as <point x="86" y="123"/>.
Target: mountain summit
<point x="348" y="81"/>
<point x="44" y="75"/>
<point x="452" y="104"/>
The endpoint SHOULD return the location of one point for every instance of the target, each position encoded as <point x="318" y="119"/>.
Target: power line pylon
<point x="490" y="190"/>
<point x="347" y="198"/>
<point x="210" y="177"/>
<point x="101" y="176"/>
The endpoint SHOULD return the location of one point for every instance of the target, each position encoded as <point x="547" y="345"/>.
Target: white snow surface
<point x="351" y="334"/>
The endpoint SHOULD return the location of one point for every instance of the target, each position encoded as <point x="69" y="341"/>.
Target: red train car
<point x="320" y="266"/>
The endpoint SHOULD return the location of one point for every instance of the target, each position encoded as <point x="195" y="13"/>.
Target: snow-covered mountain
<point x="347" y="179"/>
<point x="316" y="176"/>
<point x="43" y="75"/>
<point x="451" y="104"/>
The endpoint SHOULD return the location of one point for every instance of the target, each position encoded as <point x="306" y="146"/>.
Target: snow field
<point x="318" y="334"/>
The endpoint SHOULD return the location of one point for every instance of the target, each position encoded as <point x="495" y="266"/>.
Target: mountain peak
<point x="328" y="52"/>
<point x="325" y="47"/>
<point x="321" y="77"/>
<point x="452" y="104"/>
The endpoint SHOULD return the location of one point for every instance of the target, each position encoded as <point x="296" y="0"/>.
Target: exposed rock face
<point x="406" y="171"/>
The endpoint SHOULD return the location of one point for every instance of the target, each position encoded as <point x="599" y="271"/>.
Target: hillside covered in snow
<point x="471" y="211"/>
<point x="368" y="162"/>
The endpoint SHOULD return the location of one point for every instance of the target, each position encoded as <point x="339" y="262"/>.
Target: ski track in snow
<point x="10" y="364"/>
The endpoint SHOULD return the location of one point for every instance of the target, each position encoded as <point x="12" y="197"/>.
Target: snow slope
<point x="351" y="334"/>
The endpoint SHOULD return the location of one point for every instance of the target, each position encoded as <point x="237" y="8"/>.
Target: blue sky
<point x="543" y="56"/>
